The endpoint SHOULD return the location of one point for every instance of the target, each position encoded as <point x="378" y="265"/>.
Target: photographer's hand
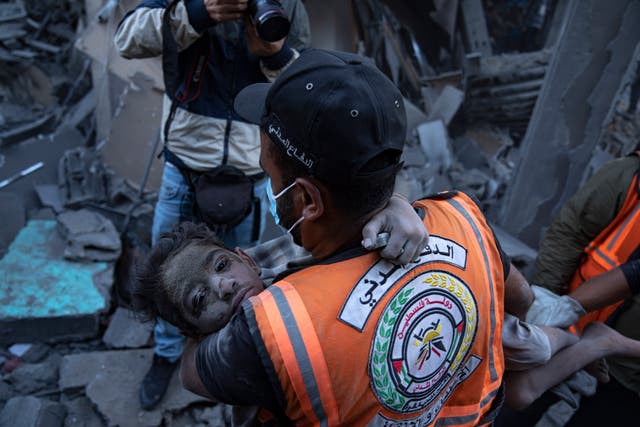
<point x="225" y="10"/>
<point x="257" y="46"/>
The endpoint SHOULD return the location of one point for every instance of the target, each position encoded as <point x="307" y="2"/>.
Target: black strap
<point x="171" y="71"/>
<point x="170" y="67"/>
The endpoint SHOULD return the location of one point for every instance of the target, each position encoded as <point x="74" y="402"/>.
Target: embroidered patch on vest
<point x="377" y="281"/>
<point x="423" y="335"/>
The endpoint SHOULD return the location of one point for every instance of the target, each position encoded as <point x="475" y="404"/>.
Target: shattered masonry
<point x="517" y="111"/>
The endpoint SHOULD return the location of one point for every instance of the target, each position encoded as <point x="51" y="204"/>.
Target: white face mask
<point x="273" y="205"/>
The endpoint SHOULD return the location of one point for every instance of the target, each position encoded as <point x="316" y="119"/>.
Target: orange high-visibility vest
<point x="611" y="248"/>
<point x="365" y="342"/>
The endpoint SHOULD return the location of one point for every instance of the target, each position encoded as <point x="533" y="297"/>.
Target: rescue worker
<point x="598" y="230"/>
<point x="354" y="339"/>
<point x="196" y="282"/>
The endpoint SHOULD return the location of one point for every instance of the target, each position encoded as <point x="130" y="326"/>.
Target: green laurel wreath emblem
<point x="381" y="378"/>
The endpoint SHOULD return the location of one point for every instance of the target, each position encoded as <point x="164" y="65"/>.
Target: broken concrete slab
<point x="30" y="411"/>
<point x="112" y="380"/>
<point x="29" y="378"/>
<point x="503" y="89"/>
<point x="583" y="79"/>
<point x="11" y="11"/>
<point x="49" y="195"/>
<point x="80" y="413"/>
<point x="434" y="141"/>
<point x="82" y="177"/>
<point x="447" y="104"/>
<point x="89" y="235"/>
<point x="44" y="297"/>
<point x="415" y="116"/>
<point x="125" y="331"/>
<point x="412" y="155"/>
<point x="475" y="27"/>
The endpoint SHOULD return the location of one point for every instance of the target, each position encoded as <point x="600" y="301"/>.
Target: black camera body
<point x="269" y="18"/>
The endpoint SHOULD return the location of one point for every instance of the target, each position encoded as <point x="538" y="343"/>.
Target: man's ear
<point x="313" y="204"/>
<point x="246" y="258"/>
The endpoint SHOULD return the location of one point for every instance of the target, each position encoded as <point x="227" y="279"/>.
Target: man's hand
<point x="256" y="45"/>
<point x="225" y="10"/>
<point x="408" y="237"/>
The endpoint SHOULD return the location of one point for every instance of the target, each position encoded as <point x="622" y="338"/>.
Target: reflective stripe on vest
<point x="611" y="248"/>
<point x="302" y="354"/>
<point x="485" y="257"/>
<point x="339" y="335"/>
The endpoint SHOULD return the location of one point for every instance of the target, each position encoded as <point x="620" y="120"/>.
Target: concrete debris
<point x="85" y="181"/>
<point x="30" y="411"/>
<point x="112" y="380"/>
<point x="89" y="236"/>
<point x="413" y="155"/>
<point x="36" y="353"/>
<point x="33" y="33"/>
<point x="49" y="195"/>
<point x="475" y="27"/>
<point x="586" y="73"/>
<point x="30" y="378"/>
<point x="503" y="89"/>
<point x="447" y="104"/>
<point x="125" y="331"/>
<point x="80" y="413"/>
<point x="19" y="349"/>
<point x="434" y="142"/>
<point x="493" y="90"/>
<point x="82" y="177"/>
<point x="44" y="297"/>
<point x="415" y="116"/>
<point x="12" y="11"/>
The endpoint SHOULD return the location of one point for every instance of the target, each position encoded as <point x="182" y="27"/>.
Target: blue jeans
<point x="175" y="205"/>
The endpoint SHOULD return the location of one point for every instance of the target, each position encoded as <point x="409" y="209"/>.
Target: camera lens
<point x="270" y="19"/>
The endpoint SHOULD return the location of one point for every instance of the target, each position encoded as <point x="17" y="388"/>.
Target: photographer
<point x="212" y="51"/>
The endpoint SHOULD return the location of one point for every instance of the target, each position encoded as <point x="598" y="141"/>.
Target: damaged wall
<point x="585" y="73"/>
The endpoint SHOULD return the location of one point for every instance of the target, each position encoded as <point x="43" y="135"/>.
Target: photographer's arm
<point x="139" y="34"/>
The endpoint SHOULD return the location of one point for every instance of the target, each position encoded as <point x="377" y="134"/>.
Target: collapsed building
<point x="517" y="103"/>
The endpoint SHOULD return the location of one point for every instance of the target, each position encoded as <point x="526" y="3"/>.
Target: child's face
<point x="208" y="284"/>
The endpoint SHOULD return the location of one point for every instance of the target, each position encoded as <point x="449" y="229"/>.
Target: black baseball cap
<point x="331" y="112"/>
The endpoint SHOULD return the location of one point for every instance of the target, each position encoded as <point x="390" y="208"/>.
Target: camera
<point x="269" y="18"/>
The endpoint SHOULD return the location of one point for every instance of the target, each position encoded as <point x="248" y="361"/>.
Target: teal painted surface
<point x="37" y="282"/>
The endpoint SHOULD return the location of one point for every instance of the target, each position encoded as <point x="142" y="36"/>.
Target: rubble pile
<point x="41" y="75"/>
<point x="474" y="73"/>
<point x="476" y="105"/>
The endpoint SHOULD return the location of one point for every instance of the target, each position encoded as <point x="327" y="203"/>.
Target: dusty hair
<point x="149" y="295"/>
